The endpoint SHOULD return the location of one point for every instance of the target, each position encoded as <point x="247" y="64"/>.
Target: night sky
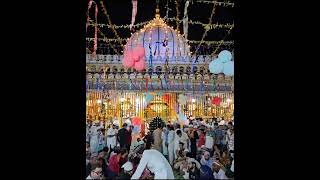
<point x="120" y="13"/>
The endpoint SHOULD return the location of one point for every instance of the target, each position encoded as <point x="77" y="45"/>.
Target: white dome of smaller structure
<point x="159" y="39"/>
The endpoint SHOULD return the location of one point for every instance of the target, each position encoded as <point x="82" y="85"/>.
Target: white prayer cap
<point x="221" y="123"/>
<point x="128" y="122"/>
<point x="127" y="166"/>
<point x="116" y="122"/>
<point x="96" y="122"/>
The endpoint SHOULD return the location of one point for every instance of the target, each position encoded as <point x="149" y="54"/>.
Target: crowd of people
<point x="200" y="150"/>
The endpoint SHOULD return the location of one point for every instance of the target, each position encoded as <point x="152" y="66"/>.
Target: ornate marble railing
<point x="114" y="59"/>
<point x="104" y="70"/>
<point x="163" y="85"/>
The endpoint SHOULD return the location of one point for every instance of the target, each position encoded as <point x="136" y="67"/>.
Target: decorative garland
<point x="190" y="41"/>
<point x="95" y="41"/>
<point x="134" y="12"/>
<point x="222" y="42"/>
<point x="88" y="18"/>
<point x="206" y="26"/>
<point x="225" y="4"/>
<point x="178" y="13"/>
<point x="185" y="20"/>
<point x="206" y="29"/>
<point x="214" y="52"/>
<point x="109" y="21"/>
<point x="105" y="39"/>
<point x="127" y="26"/>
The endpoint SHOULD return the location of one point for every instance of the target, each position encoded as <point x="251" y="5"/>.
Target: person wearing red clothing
<point x="202" y="136"/>
<point x="114" y="163"/>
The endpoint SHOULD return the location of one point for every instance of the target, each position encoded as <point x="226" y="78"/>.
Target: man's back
<point x="122" y="135"/>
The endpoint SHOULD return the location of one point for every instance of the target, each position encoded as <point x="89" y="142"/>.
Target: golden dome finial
<point x="157" y="13"/>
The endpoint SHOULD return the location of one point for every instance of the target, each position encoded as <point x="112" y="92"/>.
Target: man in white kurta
<point x="112" y="137"/>
<point x="218" y="173"/>
<point x="180" y="136"/>
<point x="171" y="145"/>
<point x="209" y="138"/>
<point x="94" y="141"/>
<point x="164" y="137"/>
<point x="156" y="163"/>
<point x="230" y="139"/>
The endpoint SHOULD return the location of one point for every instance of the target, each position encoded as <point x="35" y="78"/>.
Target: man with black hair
<point x="122" y="136"/>
<point x="129" y="137"/>
<point x="103" y="165"/>
<point x="193" y="160"/>
<point x="218" y="173"/>
<point x="219" y="134"/>
<point x="148" y="138"/>
<point x="215" y="125"/>
<point x="105" y="154"/>
<point x="194" y="172"/>
<point x="96" y="173"/>
<point x="193" y="135"/>
<point x="116" y="161"/>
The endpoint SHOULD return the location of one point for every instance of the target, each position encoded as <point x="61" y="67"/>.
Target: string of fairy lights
<point x="228" y="27"/>
<point x="206" y="30"/>
<point x="224" y="4"/>
<point x="215" y="51"/>
<point x="221" y="42"/>
<point x="178" y="13"/>
<point x="109" y="21"/>
<point x="207" y="27"/>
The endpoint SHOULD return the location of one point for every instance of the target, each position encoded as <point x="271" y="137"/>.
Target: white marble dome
<point x="154" y="35"/>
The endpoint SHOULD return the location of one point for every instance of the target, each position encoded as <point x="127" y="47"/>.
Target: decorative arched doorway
<point x="157" y="108"/>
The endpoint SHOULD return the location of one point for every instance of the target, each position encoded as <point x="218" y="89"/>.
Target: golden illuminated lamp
<point x="158" y="106"/>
